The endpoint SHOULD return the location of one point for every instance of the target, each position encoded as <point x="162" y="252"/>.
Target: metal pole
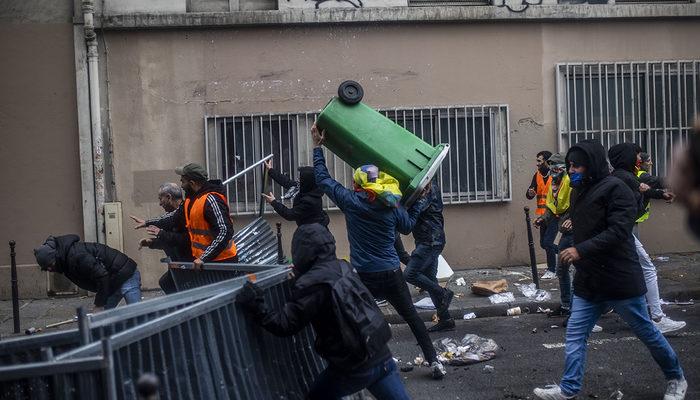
<point x="531" y="244"/>
<point x="83" y="326"/>
<point x="263" y="189"/>
<point x="280" y="251"/>
<point x="15" y="289"/>
<point x="229" y="180"/>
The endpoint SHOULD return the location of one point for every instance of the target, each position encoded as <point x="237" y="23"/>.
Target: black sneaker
<point x="445" y="303"/>
<point x="445" y="325"/>
<point x="559" y="312"/>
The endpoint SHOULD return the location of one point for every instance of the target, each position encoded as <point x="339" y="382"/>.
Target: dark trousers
<point x="421" y="271"/>
<point x="391" y="286"/>
<point x="167" y="283"/>
<point x="382" y="380"/>
<point x="548" y="234"/>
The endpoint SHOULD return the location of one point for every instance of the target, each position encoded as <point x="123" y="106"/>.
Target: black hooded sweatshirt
<point x="603" y="212"/>
<point x="317" y="269"/>
<point x="307" y="205"/>
<point x="623" y="157"/>
<point x="216" y="212"/>
<point x="93" y="266"/>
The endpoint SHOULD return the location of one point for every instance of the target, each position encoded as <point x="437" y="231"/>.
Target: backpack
<point x="363" y="328"/>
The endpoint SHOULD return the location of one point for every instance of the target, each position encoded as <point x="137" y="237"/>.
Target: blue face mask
<point x="576" y="179"/>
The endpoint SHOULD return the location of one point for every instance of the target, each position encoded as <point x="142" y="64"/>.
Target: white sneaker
<point x="549" y="275"/>
<point x="597" y="328"/>
<point x="666" y="324"/>
<point x="438" y="370"/>
<point x="551" y="392"/>
<point x="675" y="389"/>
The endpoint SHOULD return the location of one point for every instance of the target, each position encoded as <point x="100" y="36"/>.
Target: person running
<point x="625" y="158"/>
<point x="608" y="272"/>
<point x="373" y="214"/>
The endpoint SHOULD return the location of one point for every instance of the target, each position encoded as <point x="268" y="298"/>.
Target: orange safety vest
<point x="542" y="189"/>
<point x="199" y="230"/>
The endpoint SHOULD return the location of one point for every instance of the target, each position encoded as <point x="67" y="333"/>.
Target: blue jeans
<point x="130" y="291"/>
<point x="382" y="380"/>
<point x="584" y="315"/>
<point x="547" y="235"/>
<point x="421" y="271"/>
<point x="566" y="241"/>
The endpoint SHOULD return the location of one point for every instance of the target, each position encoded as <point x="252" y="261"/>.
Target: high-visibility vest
<point x="563" y="195"/>
<point x="201" y="234"/>
<point x="542" y="189"/>
<point x="644" y="216"/>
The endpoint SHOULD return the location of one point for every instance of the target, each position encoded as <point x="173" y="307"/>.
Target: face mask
<point x="576" y="179"/>
<point x="558" y="175"/>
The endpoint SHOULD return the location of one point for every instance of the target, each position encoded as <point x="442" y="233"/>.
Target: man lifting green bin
<point x="360" y="135"/>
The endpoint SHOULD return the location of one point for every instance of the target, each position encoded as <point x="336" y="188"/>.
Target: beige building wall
<point x="163" y="83"/>
<point x="38" y="125"/>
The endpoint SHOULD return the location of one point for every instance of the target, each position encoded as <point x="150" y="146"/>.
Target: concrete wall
<point x="39" y="146"/>
<point x="164" y="82"/>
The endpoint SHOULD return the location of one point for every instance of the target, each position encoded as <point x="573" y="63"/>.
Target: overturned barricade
<point x="204" y="349"/>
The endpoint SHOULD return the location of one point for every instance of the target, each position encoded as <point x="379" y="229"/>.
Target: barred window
<point x="476" y="170"/>
<point x="652" y="104"/>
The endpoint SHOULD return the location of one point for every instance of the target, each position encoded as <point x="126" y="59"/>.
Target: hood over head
<point x="311" y="243"/>
<point x="590" y="154"/>
<point x="623" y="156"/>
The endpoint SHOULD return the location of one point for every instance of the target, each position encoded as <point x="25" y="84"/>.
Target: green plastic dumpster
<point x="360" y="135"/>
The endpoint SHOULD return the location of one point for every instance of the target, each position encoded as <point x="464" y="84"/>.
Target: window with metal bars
<point x="476" y="170"/>
<point x="649" y="103"/>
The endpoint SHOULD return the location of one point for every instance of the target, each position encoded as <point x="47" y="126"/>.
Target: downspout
<point x="88" y="8"/>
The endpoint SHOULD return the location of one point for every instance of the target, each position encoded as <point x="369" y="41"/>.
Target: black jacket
<point x="307" y="205"/>
<point x="174" y="242"/>
<point x="216" y="213"/>
<point x="603" y="212"/>
<point x="317" y="267"/>
<point x="623" y="157"/>
<point x="93" y="266"/>
<point x="656" y="185"/>
<point x="430" y="224"/>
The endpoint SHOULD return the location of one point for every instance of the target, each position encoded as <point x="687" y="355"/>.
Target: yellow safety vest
<point x="563" y="196"/>
<point x="644" y="216"/>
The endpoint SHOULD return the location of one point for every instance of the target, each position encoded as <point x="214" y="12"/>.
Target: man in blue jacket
<point x="372" y="218"/>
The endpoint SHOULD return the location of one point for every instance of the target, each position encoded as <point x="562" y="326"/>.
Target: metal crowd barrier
<point x="209" y="350"/>
<point x="97" y="326"/>
<point x="256" y="243"/>
<point x="186" y="277"/>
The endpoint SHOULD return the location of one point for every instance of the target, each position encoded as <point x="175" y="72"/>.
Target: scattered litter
<point x="418" y="361"/>
<point x="616" y="395"/>
<point x="487" y="288"/>
<point x="596" y="329"/>
<point x="409" y="363"/>
<point x="32" y="330"/>
<point x="678" y="303"/>
<point x="500" y="298"/>
<point x="662" y="259"/>
<point x="461" y="282"/>
<point x="471" y="349"/>
<point x="425" y="364"/>
<point x="554" y="326"/>
<point x="396" y="360"/>
<point x="543" y="310"/>
<point x="459" y="295"/>
<point x="407" y="368"/>
<point x="488" y="369"/>
<point x="530" y="291"/>
<point x="534" y="330"/>
<point x="470" y="315"/>
<point x="425" y="304"/>
<point x="514" y="311"/>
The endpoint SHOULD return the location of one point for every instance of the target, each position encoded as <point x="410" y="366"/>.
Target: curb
<point x="499" y="310"/>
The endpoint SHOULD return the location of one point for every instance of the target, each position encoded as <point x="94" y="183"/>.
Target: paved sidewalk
<point x="679" y="279"/>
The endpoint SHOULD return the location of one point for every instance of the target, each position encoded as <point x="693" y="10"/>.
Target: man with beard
<point x="608" y="273"/>
<point x="625" y="158"/>
<point x="307" y="201"/>
<point x="175" y="242"/>
<point x="541" y="181"/>
<point x="205" y="215"/>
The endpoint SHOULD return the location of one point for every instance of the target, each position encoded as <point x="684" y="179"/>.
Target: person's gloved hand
<point x="251" y="297"/>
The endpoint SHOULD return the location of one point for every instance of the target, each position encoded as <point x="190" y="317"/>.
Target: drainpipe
<point x="88" y="8"/>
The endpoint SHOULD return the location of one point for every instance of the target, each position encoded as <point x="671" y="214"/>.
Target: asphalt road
<point x="616" y="360"/>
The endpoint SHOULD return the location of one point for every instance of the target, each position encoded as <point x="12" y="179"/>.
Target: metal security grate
<point x="476" y="170"/>
<point x="652" y="104"/>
